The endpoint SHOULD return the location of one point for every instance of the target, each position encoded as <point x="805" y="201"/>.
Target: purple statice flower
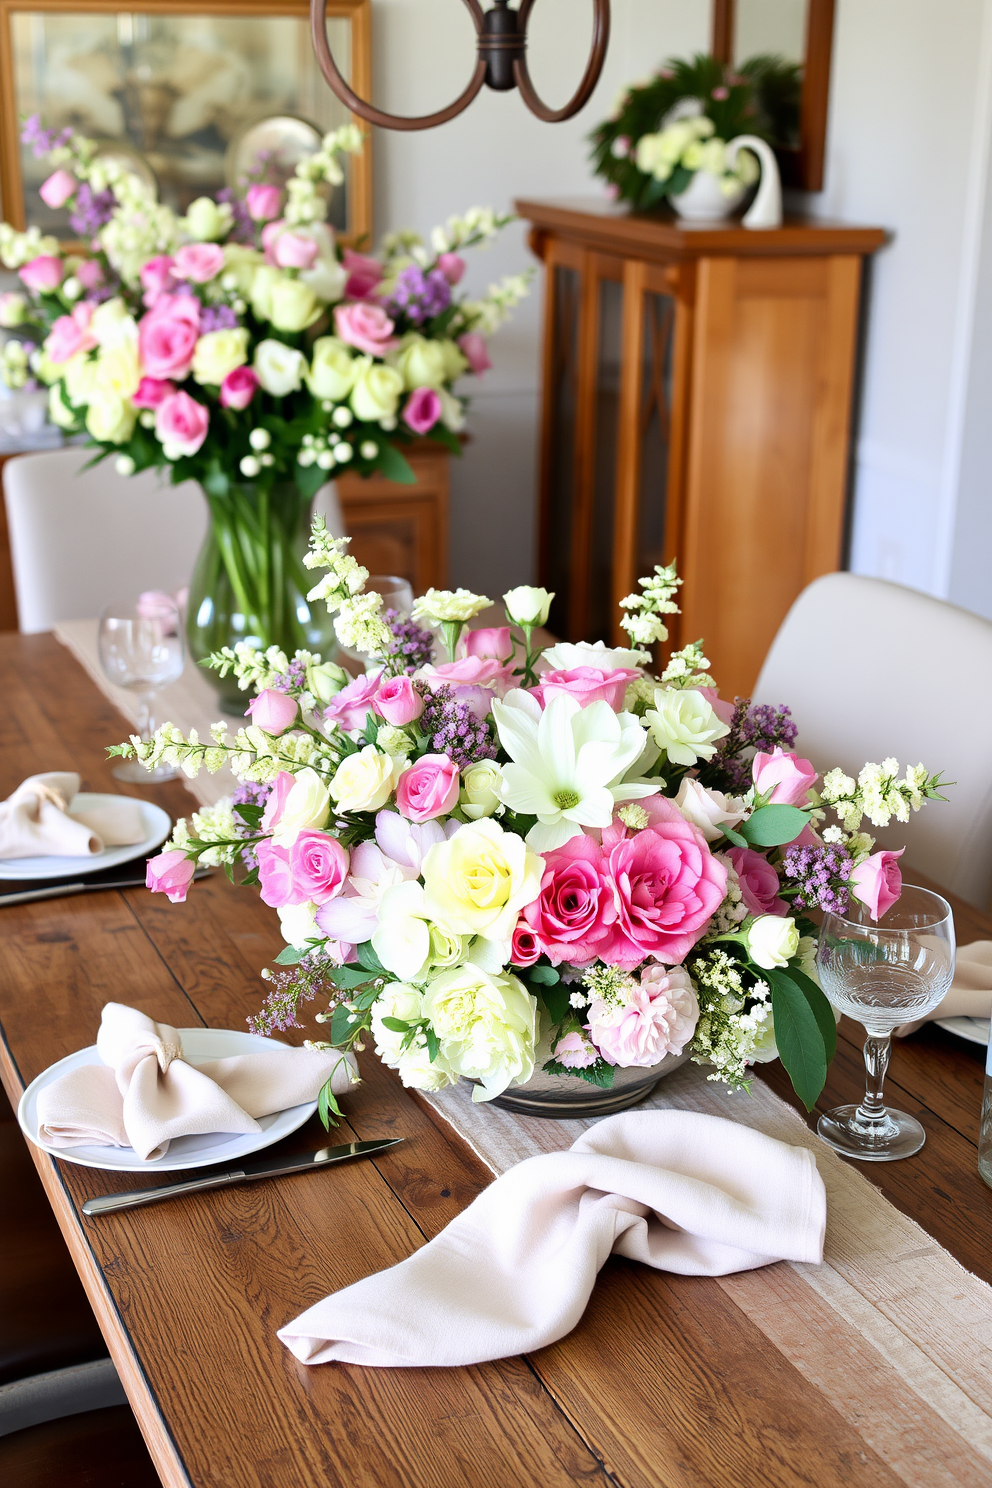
<point x="251" y="793"/>
<point x="819" y="876"/>
<point x="43" y="141"/>
<point x="292" y="680"/>
<point x="757" y="727"/>
<point x="243" y="230"/>
<point x="452" y="728"/>
<point x="217" y="318"/>
<point x="411" y="647"/>
<point x="92" y="210"/>
<point x="419" y="296"/>
<point x="288" y="989"/>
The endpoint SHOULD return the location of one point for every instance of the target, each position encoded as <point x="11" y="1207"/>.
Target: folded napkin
<point x="970" y="993"/>
<point x="682" y="1192"/>
<point x="145" y="1093"/>
<point x="39" y="820"/>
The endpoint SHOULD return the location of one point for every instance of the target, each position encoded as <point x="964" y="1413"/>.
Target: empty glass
<point x="883" y="975"/>
<point x="141" y="650"/>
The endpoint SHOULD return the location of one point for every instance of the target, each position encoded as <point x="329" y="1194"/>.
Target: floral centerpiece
<point x="239" y="347"/>
<point x="507" y="856"/>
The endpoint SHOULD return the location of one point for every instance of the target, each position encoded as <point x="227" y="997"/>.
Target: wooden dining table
<point x="664" y="1381"/>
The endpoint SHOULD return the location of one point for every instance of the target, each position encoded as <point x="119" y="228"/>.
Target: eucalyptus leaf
<point x="347" y="977"/>
<point x="546" y="975"/>
<point x="774" y="825"/>
<point x="733" y="836"/>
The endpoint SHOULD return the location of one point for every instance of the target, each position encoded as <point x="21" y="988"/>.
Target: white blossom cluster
<point x="735" y="1026"/>
<point x="19" y="248"/>
<point x="212" y="824"/>
<point x="733" y="911"/>
<point x="688" y="667"/>
<point x="642" y="612"/>
<point x="359" y="625"/>
<point x="252" y="755"/>
<point x="252" y="667"/>
<point x="489" y="313"/>
<point x="345" y="576"/>
<point x="305" y="202"/>
<point x="478" y="225"/>
<point x="878" y="793"/>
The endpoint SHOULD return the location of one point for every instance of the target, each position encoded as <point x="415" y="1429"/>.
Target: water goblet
<point x="883" y="974"/>
<point x="141" y="650"/>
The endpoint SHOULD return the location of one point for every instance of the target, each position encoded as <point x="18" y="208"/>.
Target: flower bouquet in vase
<point x="553" y="873"/>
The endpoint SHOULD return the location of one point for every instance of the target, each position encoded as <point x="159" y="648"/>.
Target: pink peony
<point x="181" y="424"/>
<point x="398" y="701"/>
<point x="157" y="278"/>
<point x="422" y="410"/>
<point x="574" y="912"/>
<point x="474" y="350"/>
<point x="275" y="876"/>
<point x="587" y="685"/>
<point x="71" y="333"/>
<point x="350" y="709"/>
<point x="784" y="778"/>
<point x="199" y="262"/>
<point x="877" y="882"/>
<point x="262" y="202"/>
<point x="281" y="787"/>
<point x="43" y="274"/>
<point x="151" y="391"/>
<point x="366" y="326"/>
<point x="170" y="873"/>
<point x="524" y="947"/>
<point x="273" y="711"/>
<point x="492" y="643"/>
<point x="759" y="882"/>
<point x="364" y="273"/>
<point x="294" y="251"/>
<point x="428" y="789"/>
<point x="167" y="336"/>
<point x="90" y="274"/>
<point x="452" y="266"/>
<point x="238" y="388"/>
<point x="575" y="1051"/>
<point x="57" y="190"/>
<point x="319" y="865"/>
<point x="659" y="1019"/>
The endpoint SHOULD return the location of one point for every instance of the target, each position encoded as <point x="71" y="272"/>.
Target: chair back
<point x="872" y="669"/>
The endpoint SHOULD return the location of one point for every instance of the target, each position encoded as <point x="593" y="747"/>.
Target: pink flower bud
<point x="474" y="350"/>
<point x="199" y="262"/>
<point x="238" y="388"/>
<point x="262" y="202"/>
<point x="492" y="641"/>
<point x="422" y="410"/>
<point x="452" y="266"/>
<point x="42" y="274"/>
<point x="56" y="191"/>
<point x="787" y="777"/>
<point x="170" y="873"/>
<point x="151" y="391"/>
<point x="294" y="251"/>
<point x="398" y="701"/>
<point x="877" y="882"/>
<point x="273" y="711"/>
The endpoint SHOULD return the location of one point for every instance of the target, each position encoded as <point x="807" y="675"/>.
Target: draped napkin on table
<point x="970" y="993"/>
<point x="680" y="1191"/>
<point x="40" y="820"/>
<point x="145" y="1093"/>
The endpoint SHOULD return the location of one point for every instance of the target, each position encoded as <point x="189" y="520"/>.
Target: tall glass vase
<point x="249" y="583"/>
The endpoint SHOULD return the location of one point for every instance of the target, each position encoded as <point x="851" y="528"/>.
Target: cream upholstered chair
<point x="872" y="669"/>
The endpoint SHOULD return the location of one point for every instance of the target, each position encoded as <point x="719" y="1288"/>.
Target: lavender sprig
<point x="453" y="729"/>
<point x="419" y="296"/>
<point x="411" y="648"/>
<point x="287" y="989"/>
<point x="819" y="877"/>
<point x="91" y="211"/>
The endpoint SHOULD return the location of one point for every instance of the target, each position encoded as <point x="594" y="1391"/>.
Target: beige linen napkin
<point x="970" y="993"/>
<point x="680" y="1191"/>
<point x="39" y="820"/>
<point x="145" y="1093"/>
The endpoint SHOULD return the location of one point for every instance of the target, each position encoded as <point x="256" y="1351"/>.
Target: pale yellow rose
<point x="332" y="369"/>
<point x="486" y="1024"/>
<point x="117" y="370"/>
<point x="57" y="410"/>
<point x="365" y="781"/>
<point x="207" y="220"/>
<point x="452" y="411"/>
<point x="377" y="390"/>
<point x="294" y="305"/>
<point x="218" y="353"/>
<point x="477" y="882"/>
<point x="420" y="362"/>
<point x="113" y="323"/>
<point x="307" y="807"/>
<point x="455" y="362"/>
<point x="480" y="789"/>
<point x="110" y="418"/>
<point x="242" y="263"/>
<point x="79" y="376"/>
<point x="265" y="277"/>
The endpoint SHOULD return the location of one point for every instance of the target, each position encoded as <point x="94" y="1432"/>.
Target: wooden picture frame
<point x="358" y="228"/>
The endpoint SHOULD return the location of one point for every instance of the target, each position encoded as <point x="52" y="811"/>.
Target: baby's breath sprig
<point x="642" y="612"/>
<point x="879" y="793"/>
<point x="688" y="668"/>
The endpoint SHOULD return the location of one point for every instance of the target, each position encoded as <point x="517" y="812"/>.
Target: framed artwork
<point x="200" y="94"/>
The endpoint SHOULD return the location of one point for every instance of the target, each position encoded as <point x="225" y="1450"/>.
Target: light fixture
<point x="501" y="64"/>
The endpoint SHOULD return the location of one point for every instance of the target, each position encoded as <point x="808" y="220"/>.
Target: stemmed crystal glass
<point x="142" y="650"/>
<point x="883" y="974"/>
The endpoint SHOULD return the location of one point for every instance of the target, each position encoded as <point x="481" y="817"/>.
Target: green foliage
<point x="600" y="1073"/>
<point x="773" y="826"/>
<point x="327" y="1107"/>
<point x="395" y="467"/>
<point x="289" y="956"/>
<point x="799" y="1037"/>
<point x="368" y="958"/>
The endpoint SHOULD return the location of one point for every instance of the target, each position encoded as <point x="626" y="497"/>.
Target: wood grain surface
<point x="666" y="1381"/>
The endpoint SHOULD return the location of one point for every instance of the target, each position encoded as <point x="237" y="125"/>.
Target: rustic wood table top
<point x="664" y="1382"/>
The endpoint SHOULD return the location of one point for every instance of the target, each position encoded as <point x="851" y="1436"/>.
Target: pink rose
<point x="428" y="789"/>
<point x="199" y="262"/>
<point x="364" y="273"/>
<point x="784" y="778"/>
<point x="452" y="266"/>
<point x="659" y="1019"/>
<point x="350" y="708"/>
<point x="42" y="274"/>
<point x="71" y="333"/>
<point x="422" y="410"/>
<point x="294" y="251"/>
<point x="366" y="326"/>
<point x="474" y="680"/>
<point x="281" y="787"/>
<point x="273" y="711"/>
<point x="319" y="865"/>
<point x="573" y="913"/>
<point x="575" y="1051"/>
<point x="275" y="877"/>
<point x="167" y="336"/>
<point x="181" y="424"/>
<point x="151" y="391"/>
<point x="262" y="202"/>
<point x="56" y="191"/>
<point x="587" y="685"/>
<point x="170" y="873"/>
<point x="157" y="278"/>
<point x="398" y="701"/>
<point x="759" y="882"/>
<point x="90" y="274"/>
<point x="877" y="882"/>
<point x="492" y="643"/>
<point x="238" y="388"/>
<point x="474" y="350"/>
<point x="524" y="947"/>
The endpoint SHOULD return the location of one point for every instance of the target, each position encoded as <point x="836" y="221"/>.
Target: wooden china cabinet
<point x="697" y="402"/>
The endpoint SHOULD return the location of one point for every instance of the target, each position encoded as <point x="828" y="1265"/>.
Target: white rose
<point x="708" y="809"/>
<point x="79" y="376"/>
<point x="298" y="924"/>
<point x="400" y="1001"/>
<point x="308" y="805"/>
<point x="242" y="263"/>
<point x="487" y="1025"/>
<point x="764" y="1048"/>
<point x="684" y="725"/>
<point x="206" y="220"/>
<point x="439" y="606"/>
<point x="418" y="1071"/>
<point x="605" y="658"/>
<point x="772" y="941"/>
<point x="452" y="411"/>
<point x="326" y="680"/>
<point x="219" y="352"/>
<point x="365" y="781"/>
<point x="377" y="390"/>
<point x="420" y="362"/>
<point x="402" y="940"/>
<point x="279" y="368"/>
<point x="110" y="418"/>
<point x="480" y="789"/>
<point x="527" y="605"/>
<point x="294" y="306"/>
<point x="57" y="410"/>
<point x="113" y="323"/>
<point x="332" y="369"/>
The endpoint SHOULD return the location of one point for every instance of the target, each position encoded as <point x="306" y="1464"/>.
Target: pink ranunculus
<point x="319" y="865"/>
<point x="281" y="787"/>
<point x="238" y="388"/>
<point x="366" y="326"/>
<point x="273" y="711"/>
<point x="573" y="914"/>
<point x="364" y="273"/>
<point x="275" y="876"/>
<point x="170" y="873"/>
<point x="784" y="778"/>
<point x="491" y="642"/>
<point x="350" y="708"/>
<point x="42" y="274"/>
<point x="295" y="251"/>
<point x="422" y="410"/>
<point x="759" y="882"/>
<point x="659" y="1019"/>
<point x="587" y="685"/>
<point x="262" y="202"/>
<point x="452" y="266"/>
<point x="151" y="391"/>
<point x="56" y="191"/>
<point x="181" y="423"/>
<point x="428" y="789"/>
<point x="475" y="351"/>
<point x="71" y="333"/>
<point x="575" y="1051"/>
<point x="90" y="274"/>
<point x="167" y="336"/>
<point x="524" y="947"/>
<point x="157" y="278"/>
<point x="398" y="701"/>
<point x="723" y="710"/>
<point x="877" y="882"/>
<point x="199" y="262"/>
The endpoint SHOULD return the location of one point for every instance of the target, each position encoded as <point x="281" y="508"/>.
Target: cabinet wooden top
<point x="612" y="228"/>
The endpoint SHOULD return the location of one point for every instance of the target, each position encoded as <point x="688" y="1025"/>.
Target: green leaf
<point x="289" y="956"/>
<point x="433" y="1047"/>
<point x="546" y="975"/>
<point x="732" y="836"/>
<point x="342" y="1028"/>
<point x="555" y="999"/>
<point x="600" y="1073"/>
<point x="372" y="726"/>
<point x="249" y="813"/>
<point x="347" y="977"/>
<point x="822" y="1011"/>
<point x="327" y="1106"/>
<point x="368" y="958"/>
<point x="396" y="1025"/>
<point x="447" y="437"/>
<point x="773" y="826"/>
<point x="396" y="467"/>
<point x="797" y="1034"/>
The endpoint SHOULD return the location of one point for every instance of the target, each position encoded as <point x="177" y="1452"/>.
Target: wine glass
<point x="883" y="973"/>
<point x="141" y="650"/>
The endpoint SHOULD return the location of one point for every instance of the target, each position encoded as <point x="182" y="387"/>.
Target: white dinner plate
<point x="157" y="824"/>
<point x="199" y="1044"/>
<point x="975" y="1030"/>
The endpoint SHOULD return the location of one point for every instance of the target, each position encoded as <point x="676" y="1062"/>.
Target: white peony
<point x="487" y="1026"/>
<point x="772" y="941"/>
<point x="684" y="725"/>
<point x="564" y="656"/>
<point x="708" y="809"/>
<point x="279" y="368"/>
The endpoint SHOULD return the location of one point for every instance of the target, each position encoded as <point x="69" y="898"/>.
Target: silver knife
<point x="58" y="891"/>
<point x="265" y="1167"/>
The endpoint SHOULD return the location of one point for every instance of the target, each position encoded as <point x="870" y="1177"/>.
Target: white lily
<point x="568" y="764"/>
<point x="402" y="940"/>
